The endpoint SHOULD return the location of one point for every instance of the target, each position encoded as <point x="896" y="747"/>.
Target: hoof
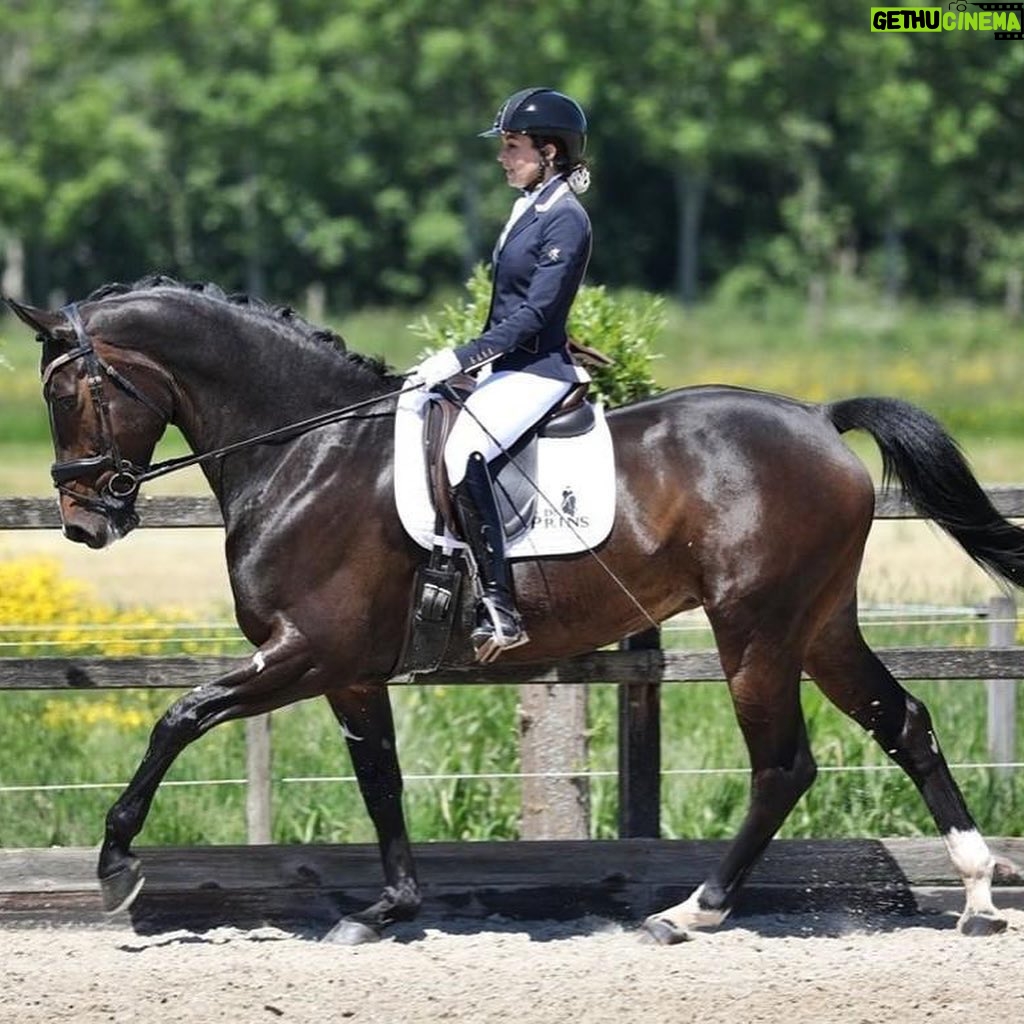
<point x="663" y="932"/>
<point x="120" y="888"/>
<point x="348" y="932"/>
<point x="981" y="924"/>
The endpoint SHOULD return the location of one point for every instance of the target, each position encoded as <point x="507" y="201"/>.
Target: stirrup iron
<point x="493" y="637"/>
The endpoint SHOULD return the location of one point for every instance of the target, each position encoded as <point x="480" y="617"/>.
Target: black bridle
<point x="121" y="487"/>
<point x="119" y="490"/>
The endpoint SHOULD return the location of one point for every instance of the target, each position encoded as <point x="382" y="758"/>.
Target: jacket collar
<point x="543" y="192"/>
<point x="542" y="199"/>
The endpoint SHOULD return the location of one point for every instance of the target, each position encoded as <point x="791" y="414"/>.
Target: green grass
<point x="963" y="363"/>
<point x="960" y="362"/>
<point x="465" y="730"/>
<point x="92" y="738"/>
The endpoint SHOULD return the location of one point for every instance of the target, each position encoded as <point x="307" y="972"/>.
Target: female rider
<point x="538" y="264"/>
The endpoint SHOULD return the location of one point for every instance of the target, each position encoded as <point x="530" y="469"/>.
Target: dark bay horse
<point x="747" y="504"/>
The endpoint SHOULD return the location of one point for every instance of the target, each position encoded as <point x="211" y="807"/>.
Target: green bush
<point x="623" y="327"/>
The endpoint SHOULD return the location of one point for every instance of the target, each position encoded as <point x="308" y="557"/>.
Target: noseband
<point x="120" y="489"/>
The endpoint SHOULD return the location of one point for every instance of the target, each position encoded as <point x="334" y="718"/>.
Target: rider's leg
<point x="497" y="414"/>
<point x="476" y="509"/>
<point x="503" y="407"/>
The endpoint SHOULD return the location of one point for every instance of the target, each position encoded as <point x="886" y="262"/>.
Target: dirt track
<point x="800" y="969"/>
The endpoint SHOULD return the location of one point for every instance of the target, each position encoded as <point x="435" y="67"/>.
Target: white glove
<point x="436" y="368"/>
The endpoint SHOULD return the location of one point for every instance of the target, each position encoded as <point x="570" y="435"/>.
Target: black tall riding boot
<point x="499" y="626"/>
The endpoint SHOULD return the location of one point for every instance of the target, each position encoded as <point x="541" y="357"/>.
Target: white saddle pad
<point x="575" y="477"/>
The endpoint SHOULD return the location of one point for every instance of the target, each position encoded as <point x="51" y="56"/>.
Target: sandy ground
<point x="802" y="969"/>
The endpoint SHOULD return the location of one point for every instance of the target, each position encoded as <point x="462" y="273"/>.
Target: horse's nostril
<point x="75" y="533"/>
<point x="80" y="535"/>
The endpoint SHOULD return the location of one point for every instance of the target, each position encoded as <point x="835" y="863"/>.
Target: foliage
<point x="40" y="609"/>
<point x="94" y="738"/>
<point x="622" y="327"/>
<point x="962" y="362"/>
<point x="274" y="144"/>
<point x="458" y="320"/>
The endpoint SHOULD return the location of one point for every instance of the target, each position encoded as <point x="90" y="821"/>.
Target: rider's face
<point x="521" y="160"/>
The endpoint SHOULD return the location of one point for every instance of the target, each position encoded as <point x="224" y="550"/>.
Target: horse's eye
<point x="66" y="402"/>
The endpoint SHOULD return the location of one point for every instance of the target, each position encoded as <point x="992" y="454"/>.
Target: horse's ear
<point x="42" y="321"/>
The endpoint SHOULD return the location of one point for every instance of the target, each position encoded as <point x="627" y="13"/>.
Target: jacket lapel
<point x="527" y="218"/>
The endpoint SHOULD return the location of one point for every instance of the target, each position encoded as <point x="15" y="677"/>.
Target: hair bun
<point x="579" y="179"/>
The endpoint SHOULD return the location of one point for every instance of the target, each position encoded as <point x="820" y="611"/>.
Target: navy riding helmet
<point x="545" y="112"/>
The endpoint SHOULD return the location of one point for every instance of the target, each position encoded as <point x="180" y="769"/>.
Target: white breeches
<point x="501" y="409"/>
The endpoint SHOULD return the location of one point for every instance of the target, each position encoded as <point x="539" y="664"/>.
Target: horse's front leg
<point x="268" y="680"/>
<point x="364" y="714"/>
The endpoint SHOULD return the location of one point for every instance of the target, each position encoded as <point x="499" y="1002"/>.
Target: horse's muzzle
<point x="96" y="521"/>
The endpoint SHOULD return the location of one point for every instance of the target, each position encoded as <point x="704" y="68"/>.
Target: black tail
<point x="935" y="477"/>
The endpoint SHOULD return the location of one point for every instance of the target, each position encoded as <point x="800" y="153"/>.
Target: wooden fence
<point x="639" y="668"/>
<point x="626" y="878"/>
<point x="307" y="888"/>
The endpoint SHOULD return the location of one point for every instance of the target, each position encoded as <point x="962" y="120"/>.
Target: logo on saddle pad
<point x="575" y="477"/>
<point x="546" y="518"/>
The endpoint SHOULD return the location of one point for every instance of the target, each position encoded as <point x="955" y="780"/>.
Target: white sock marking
<point x="973" y="860"/>
<point x="690" y="914"/>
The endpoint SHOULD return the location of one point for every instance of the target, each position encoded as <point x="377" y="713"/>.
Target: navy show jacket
<point x="536" y="276"/>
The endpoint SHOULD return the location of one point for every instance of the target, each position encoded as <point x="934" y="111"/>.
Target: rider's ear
<point x="42" y="321"/>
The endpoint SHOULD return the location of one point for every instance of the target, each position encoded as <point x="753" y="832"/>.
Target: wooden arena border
<point x="308" y="887"/>
<point x="639" y="674"/>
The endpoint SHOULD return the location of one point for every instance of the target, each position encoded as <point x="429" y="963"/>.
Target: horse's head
<point x="108" y="407"/>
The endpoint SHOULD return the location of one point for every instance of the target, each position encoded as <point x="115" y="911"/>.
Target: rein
<point x="286" y="432"/>
<point x="127" y="477"/>
<point x="119" y="491"/>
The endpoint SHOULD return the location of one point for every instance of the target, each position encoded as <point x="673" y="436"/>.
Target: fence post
<point x="552" y="746"/>
<point x="257" y="773"/>
<point x="640" y="748"/>
<point x="1002" y="693"/>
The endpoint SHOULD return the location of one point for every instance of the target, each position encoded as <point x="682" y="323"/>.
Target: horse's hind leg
<point x="364" y="714"/>
<point x="277" y="667"/>
<point x="855" y="680"/>
<point x="764" y="681"/>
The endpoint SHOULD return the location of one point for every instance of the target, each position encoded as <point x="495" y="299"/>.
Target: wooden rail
<point x="619" y="667"/>
<point x="639" y="673"/>
<point x="310" y="887"/>
<point x="168" y="511"/>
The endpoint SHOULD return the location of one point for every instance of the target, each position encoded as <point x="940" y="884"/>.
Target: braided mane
<point x="281" y="315"/>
